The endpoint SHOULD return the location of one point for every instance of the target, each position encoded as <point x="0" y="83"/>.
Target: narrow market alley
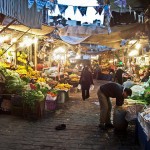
<point x="81" y="133"/>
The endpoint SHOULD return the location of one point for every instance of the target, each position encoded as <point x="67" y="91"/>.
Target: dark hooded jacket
<point x="86" y="78"/>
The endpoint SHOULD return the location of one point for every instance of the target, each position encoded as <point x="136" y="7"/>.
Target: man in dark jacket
<point x="113" y="90"/>
<point x="86" y="80"/>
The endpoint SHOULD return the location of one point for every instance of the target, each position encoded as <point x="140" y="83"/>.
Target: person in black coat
<point x="118" y="76"/>
<point x="86" y="80"/>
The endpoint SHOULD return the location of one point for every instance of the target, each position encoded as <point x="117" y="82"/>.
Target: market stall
<point x="143" y="128"/>
<point x="139" y="111"/>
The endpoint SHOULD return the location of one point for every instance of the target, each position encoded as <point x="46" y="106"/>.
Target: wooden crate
<point x="36" y="113"/>
<point x="17" y="111"/>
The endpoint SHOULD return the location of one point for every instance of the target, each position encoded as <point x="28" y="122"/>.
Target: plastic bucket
<point x="50" y="105"/>
<point x="61" y="97"/>
<point x="119" y="121"/>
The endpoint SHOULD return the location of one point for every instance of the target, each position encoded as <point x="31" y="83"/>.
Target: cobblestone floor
<point x="82" y="132"/>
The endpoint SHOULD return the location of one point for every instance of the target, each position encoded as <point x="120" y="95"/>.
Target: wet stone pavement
<point x="81" y="133"/>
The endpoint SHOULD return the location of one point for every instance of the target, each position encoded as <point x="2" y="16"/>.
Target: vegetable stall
<point x="28" y="94"/>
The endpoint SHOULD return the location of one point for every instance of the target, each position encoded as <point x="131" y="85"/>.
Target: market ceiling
<point x="99" y="36"/>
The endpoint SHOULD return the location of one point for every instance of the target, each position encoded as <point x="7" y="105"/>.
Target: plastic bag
<point x="128" y="84"/>
<point x="92" y="87"/>
<point x="79" y="87"/>
<point x="50" y="98"/>
<point x="132" y="111"/>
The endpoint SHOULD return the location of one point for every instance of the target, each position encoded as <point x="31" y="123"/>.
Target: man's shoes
<point x="102" y="127"/>
<point x="106" y="126"/>
<point x="109" y="125"/>
<point x="87" y="97"/>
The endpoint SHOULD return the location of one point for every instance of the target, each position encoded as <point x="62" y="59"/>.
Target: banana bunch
<point x="22" y="60"/>
<point x="22" y="71"/>
<point x="73" y="75"/>
<point x="75" y="79"/>
<point x="63" y="86"/>
<point x="5" y="65"/>
<point x="20" y="67"/>
<point x="41" y="79"/>
<point x="22" y="56"/>
<point x="30" y="69"/>
<point x="28" y="75"/>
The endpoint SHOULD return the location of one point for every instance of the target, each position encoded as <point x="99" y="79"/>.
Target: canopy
<point x="99" y="36"/>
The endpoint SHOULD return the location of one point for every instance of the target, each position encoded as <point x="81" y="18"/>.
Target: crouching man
<point x="104" y="93"/>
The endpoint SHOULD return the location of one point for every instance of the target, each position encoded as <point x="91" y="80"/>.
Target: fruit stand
<point x="63" y="92"/>
<point x="74" y="81"/>
<point x="30" y="94"/>
<point x="141" y="96"/>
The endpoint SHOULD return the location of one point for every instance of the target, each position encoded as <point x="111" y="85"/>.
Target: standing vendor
<point x="118" y="75"/>
<point x="113" y="90"/>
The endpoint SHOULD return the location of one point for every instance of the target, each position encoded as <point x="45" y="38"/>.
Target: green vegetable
<point x="31" y="97"/>
<point x="26" y="79"/>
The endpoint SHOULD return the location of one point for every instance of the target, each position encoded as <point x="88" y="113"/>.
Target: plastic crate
<point x="50" y="104"/>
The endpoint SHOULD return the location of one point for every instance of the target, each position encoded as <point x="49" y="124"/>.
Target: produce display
<point x="51" y="82"/>
<point x="74" y="78"/>
<point x="22" y="57"/>
<point x="52" y="95"/>
<point x="40" y="79"/>
<point x="147" y="95"/>
<point x="27" y="71"/>
<point x="137" y="90"/>
<point x="62" y="86"/>
<point x="141" y="93"/>
<point x="13" y="83"/>
<point x="34" y="88"/>
<point x="4" y="65"/>
<point x="34" y="92"/>
<point x="43" y="87"/>
<point x="31" y="91"/>
<point x="144" y="119"/>
<point x="30" y="97"/>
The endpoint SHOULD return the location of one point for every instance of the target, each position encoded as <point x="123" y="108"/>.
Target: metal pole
<point x="8" y="25"/>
